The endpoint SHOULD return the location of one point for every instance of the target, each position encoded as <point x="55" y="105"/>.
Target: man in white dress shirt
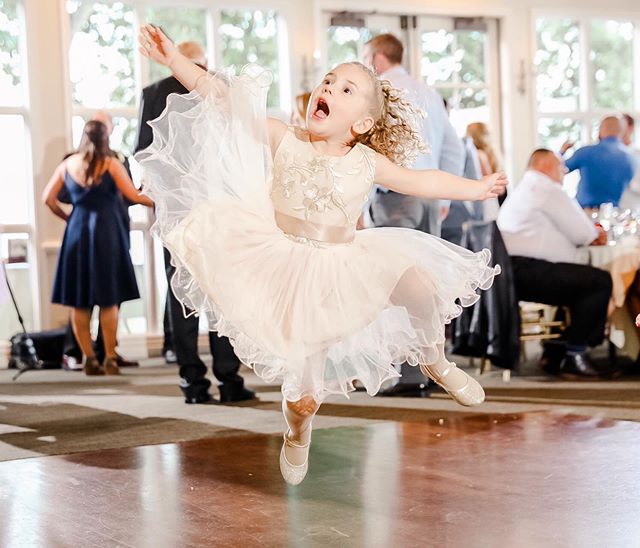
<point x="384" y="55"/>
<point x="543" y="229"/>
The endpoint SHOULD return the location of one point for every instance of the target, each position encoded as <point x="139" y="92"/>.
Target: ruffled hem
<point x="368" y="354"/>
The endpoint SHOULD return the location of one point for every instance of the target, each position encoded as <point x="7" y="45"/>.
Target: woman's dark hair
<point x="94" y="147"/>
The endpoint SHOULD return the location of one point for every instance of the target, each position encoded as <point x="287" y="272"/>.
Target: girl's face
<point x="340" y="106"/>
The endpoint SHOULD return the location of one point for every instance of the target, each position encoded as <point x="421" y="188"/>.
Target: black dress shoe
<point x="230" y="394"/>
<point x="578" y="366"/>
<point x="406" y="390"/>
<point x="200" y="398"/>
<point x="552" y="357"/>
<point x="122" y="362"/>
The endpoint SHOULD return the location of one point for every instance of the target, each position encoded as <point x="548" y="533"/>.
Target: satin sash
<point x="301" y="228"/>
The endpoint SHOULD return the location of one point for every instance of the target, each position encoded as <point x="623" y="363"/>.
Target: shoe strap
<point x="440" y="376"/>
<point x="291" y="443"/>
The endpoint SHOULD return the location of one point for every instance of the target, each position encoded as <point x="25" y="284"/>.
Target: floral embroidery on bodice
<point x="326" y="190"/>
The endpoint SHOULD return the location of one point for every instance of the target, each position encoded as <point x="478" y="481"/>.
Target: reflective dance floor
<point x="461" y="480"/>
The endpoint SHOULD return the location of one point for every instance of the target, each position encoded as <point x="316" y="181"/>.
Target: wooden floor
<point x="486" y="481"/>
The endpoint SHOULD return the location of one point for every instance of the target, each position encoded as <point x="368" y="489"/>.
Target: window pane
<point x="11" y="93"/>
<point x="14" y="182"/>
<point x="553" y="132"/>
<point x="453" y="57"/>
<point x="251" y="37"/>
<point x="179" y="24"/>
<point x="612" y="64"/>
<point x="557" y="61"/>
<point x="470" y="51"/>
<point x="470" y="106"/>
<point x="346" y="43"/>
<point x="438" y="63"/>
<point x="101" y="54"/>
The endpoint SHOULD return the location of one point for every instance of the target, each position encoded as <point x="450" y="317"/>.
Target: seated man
<point x="605" y="168"/>
<point x="542" y="228"/>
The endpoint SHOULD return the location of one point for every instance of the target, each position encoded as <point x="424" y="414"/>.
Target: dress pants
<point x="398" y="210"/>
<point x="584" y="289"/>
<point x="193" y="380"/>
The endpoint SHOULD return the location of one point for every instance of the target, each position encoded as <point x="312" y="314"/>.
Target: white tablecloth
<point x="622" y="261"/>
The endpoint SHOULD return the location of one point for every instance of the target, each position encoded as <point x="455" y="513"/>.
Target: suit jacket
<point x="152" y="103"/>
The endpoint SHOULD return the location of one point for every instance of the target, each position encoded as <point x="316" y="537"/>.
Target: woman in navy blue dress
<point x="94" y="265"/>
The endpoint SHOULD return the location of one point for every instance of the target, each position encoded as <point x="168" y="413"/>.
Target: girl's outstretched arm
<point x="155" y="45"/>
<point x="434" y="184"/>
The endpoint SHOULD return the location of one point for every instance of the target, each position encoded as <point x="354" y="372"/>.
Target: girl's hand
<point x="492" y="186"/>
<point x="638" y="320"/>
<point x="155" y="45"/>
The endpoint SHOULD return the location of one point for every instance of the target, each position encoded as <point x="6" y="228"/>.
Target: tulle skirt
<point x="312" y="316"/>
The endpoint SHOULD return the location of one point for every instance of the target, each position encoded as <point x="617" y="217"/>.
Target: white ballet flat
<point x="470" y="394"/>
<point x="293" y="474"/>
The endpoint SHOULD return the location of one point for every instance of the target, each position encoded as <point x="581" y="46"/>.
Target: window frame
<point x="586" y="115"/>
<point x="29" y="226"/>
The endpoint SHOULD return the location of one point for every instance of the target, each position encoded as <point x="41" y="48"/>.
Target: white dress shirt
<point x="539" y="220"/>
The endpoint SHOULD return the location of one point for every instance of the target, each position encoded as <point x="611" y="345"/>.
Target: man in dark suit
<point x="193" y="380"/>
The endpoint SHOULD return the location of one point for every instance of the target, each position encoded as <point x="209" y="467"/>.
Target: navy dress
<point x="94" y="266"/>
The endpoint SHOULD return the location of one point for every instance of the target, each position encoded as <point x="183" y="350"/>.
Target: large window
<point x="458" y="57"/>
<point x="107" y="73"/>
<point x="347" y="33"/>
<point x="252" y="37"/>
<point x="16" y="226"/>
<point x="584" y="71"/>
<point x="454" y="61"/>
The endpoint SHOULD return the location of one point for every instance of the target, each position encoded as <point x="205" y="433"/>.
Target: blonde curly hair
<point x="395" y="132"/>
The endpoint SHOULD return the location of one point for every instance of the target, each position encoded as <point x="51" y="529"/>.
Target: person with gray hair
<point x="184" y="330"/>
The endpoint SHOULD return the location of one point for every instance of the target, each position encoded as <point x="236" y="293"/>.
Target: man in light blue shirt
<point x="605" y="168"/>
<point x="384" y="55"/>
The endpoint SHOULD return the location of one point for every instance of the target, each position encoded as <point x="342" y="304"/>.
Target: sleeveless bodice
<point x="103" y="195"/>
<point x="320" y="197"/>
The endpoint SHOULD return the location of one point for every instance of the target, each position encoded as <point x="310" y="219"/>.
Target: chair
<point x="489" y="329"/>
<point x="536" y="324"/>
